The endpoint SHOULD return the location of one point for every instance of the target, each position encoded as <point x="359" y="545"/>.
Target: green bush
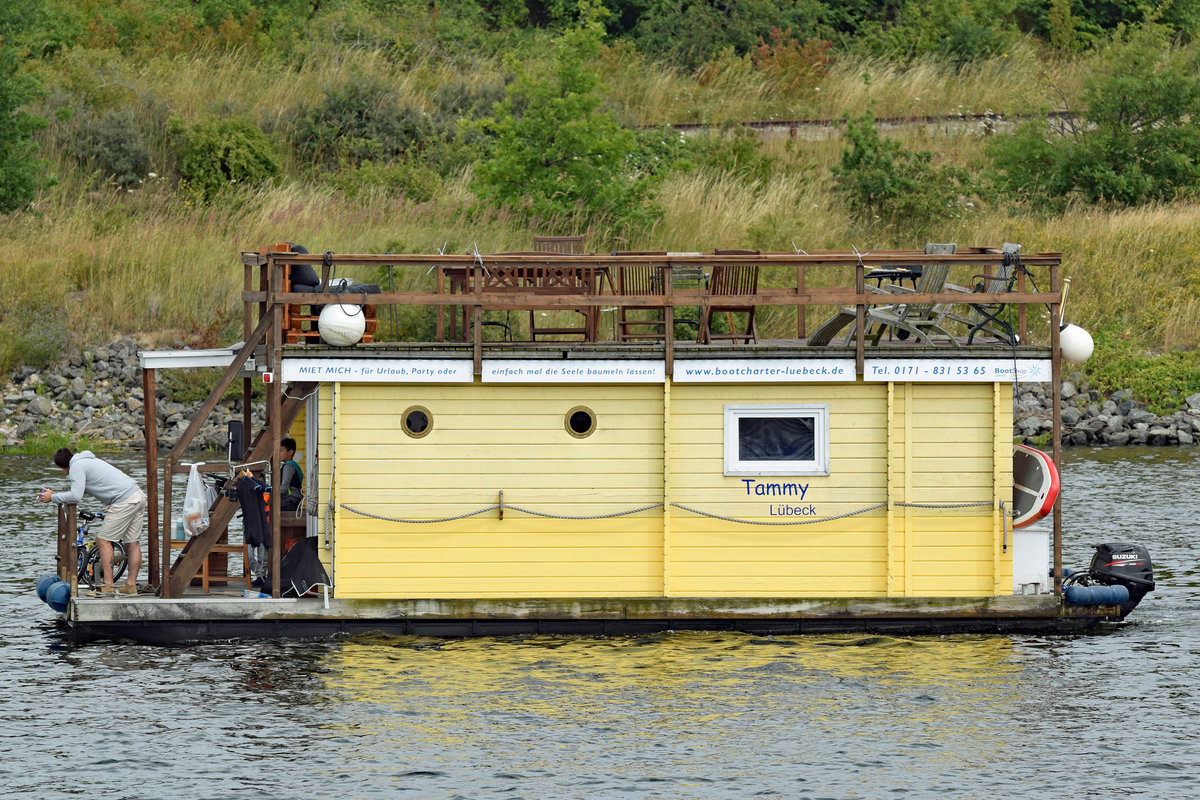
<point x="956" y="30"/>
<point x="1162" y="382"/>
<point x="20" y="172"/>
<point x="217" y="153"/>
<point x="884" y="182"/>
<point x="458" y="100"/>
<point x="738" y="151"/>
<point x="690" y="32"/>
<point x="1091" y="22"/>
<point x="33" y="334"/>
<point x="359" y="122"/>
<point x="1139" y="141"/>
<point x="553" y="152"/>
<point x="113" y="144"/>
<point x="968" y="38"/>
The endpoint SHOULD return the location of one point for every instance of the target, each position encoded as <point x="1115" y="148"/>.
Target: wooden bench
<point x="222" y="548"/>
<point x="290" y="532"/>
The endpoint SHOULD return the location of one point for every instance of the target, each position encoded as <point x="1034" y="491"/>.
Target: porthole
<point x="417" y="421"/>
<point x="580" y="422"/>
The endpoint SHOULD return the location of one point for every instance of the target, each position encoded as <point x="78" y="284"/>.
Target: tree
<point x="1138" y="140"/>
<point x="1092" y="21"/>
<point x="20" y="172"/>
<point x="552" y="150"/>
<point x="690" y="32"/>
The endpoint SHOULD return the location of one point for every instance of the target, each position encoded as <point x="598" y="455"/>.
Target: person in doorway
<point x="291" y="477"/>
<point x="124" y="513"/>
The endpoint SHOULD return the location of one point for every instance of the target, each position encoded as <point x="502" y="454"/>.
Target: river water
<point x="693" y="715"/>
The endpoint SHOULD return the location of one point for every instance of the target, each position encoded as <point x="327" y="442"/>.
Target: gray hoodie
<point x="99" y="479"/>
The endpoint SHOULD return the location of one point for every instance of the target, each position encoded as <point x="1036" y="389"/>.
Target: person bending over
<point x="124" y="513"/>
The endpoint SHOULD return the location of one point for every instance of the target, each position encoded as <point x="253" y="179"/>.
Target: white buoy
<point x="1076" y="343"/>
<point x="341" y="326"/>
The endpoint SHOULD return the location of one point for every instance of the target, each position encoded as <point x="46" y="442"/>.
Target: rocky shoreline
<point x="98" y="393"/>
<point x="1089" y="418"/>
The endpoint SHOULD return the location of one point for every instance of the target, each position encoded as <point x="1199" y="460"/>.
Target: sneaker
<point x="105" y="590"/>
<point x="128" y="589"/>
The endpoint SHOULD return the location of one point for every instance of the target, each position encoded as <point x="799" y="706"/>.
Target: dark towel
<point x="254" y="512"/>
<point x="301" y="568"/>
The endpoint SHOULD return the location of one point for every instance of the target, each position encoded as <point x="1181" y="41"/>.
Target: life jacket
<point x="298" y="477"/>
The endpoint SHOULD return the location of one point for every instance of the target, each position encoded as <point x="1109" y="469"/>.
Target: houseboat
<point x="580" y="443"/>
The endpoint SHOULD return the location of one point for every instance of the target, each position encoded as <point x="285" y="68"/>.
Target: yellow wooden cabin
<point x="625" y="489"/>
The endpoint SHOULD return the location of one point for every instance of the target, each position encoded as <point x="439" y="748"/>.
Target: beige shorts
<point x="123" y="521"/>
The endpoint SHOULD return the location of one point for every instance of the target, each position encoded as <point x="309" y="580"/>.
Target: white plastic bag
<point x="195" y="504"/>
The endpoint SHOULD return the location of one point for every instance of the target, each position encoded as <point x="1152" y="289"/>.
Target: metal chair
<point x="985" y="317"/>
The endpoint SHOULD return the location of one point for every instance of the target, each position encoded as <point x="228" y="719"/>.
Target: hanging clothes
<point x="254" y="511"/>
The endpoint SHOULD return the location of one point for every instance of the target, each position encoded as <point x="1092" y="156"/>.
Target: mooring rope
<point x="980" y="504"/>
<point x="386" y="518"/>
<point x="505" y="506"/>
<point x="1004" y="516"/>
<point x="788" y="522"/>
<point x="592" y="516"/>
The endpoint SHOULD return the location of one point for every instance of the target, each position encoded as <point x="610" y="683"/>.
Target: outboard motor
<point x="1122" y="564"/>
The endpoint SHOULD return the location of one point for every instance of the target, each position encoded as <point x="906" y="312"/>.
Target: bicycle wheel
<point x="92" y="572"/>
<point x="84" y="568"/>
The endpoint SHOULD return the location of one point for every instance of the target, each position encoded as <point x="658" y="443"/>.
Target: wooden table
<point x="538" y="280"/>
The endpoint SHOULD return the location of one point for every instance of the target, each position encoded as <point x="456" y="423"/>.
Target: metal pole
<point x="150" y="431"/>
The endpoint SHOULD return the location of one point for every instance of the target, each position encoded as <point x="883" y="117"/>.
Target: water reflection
<point x="688" y="695"/>
<point x="686" y="715"/>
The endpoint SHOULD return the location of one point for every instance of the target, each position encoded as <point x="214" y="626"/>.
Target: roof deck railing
<point x="460" y="288"/>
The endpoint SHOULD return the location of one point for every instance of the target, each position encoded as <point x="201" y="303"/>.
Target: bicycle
<point x="89" y="568"/>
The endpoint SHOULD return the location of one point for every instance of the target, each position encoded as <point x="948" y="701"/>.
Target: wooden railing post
<point x="274" y="420"/>
<point x="60" y="556"/>
<point x="68" y="558"/>
<point x="860" y="287"/>
<point x="668" y="283"/>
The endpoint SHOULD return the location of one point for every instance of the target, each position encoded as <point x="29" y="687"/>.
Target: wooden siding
<point x="934" y="444"/>
<point x="484" y="440"/>
<point x="714" y="557"/>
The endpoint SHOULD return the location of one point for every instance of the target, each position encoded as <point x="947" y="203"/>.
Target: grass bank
<point x="161" y="267"/>
<point x="91" y="261"/>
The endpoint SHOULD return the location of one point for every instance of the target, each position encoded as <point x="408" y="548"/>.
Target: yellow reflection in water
<point x="694" y="689"/>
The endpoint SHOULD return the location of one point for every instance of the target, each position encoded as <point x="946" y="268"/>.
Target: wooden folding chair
<point x="905" y="319"/>
<point x="918" y="319"/>
<point x="730" y="280"/>
<point x="640" y="280"/>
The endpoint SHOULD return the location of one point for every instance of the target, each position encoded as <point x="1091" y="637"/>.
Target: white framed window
<point x="777" y="439"/>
